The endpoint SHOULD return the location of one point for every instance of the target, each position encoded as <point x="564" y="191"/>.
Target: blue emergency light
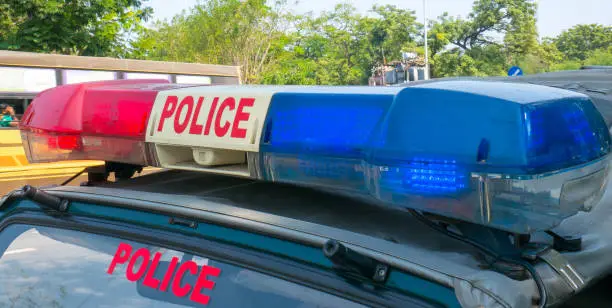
<point x="517" y="157"/>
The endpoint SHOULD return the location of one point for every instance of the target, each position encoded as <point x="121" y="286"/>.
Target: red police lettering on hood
<point x="173" y="276"/>
<point x="185" y="114"/>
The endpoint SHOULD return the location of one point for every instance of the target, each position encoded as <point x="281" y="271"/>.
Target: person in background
<point x="7" y="116"/>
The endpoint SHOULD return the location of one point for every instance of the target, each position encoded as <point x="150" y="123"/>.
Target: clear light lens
<point x="102" y="120"/>
<point x="46" y="147"/>
<point x="532" y="203"/>
<point x="522" y="204"/>
<point x="586" y="190"/>
<point x="339" y="173"/>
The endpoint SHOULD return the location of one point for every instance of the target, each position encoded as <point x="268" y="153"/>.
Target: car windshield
<point x="49" y="267"/>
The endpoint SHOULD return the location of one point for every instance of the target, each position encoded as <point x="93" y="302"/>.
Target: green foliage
<point x="600" y="57"/>
<point x="478" y="52"/>
<point x="231" y="32"/>
<point x="273" y="46"/>
<point x="346" y="44"/>
<point x="580" y="41"/>
<point x="520" y="33"/>
<point x="566" y="65"/>
<point x="477" y="38"/>
<point x="340" y="47"/>
<point x="543" y="58"/>
<point x="532" y="64"/>
<point x="515" y="19"/>
<point x="549" y="53"/>
<point x="394" y="28"/>
<point x="95" y="27"/>
<point x="451" y="64"/>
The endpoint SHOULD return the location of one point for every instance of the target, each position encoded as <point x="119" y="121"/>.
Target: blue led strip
<point x="425" y="176"/>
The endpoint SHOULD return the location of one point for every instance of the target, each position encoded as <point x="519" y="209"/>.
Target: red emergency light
<point x="104" y="120"/>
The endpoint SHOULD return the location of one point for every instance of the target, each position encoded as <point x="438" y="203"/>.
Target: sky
<point x="554" y="16"/>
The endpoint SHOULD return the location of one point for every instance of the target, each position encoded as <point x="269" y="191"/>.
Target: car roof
<point x="279" y="204"/>
<point x="392" y="236"/>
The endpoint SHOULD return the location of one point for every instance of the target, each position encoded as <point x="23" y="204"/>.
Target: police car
<point x="442" y="194"/>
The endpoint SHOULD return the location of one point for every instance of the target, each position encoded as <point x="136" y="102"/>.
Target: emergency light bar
<point x="516" y="157"/>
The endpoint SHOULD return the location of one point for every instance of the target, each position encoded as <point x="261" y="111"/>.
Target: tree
<point x="600" y="57"/>
<point x="578" y="42"/>
<point x="514" y="19"/>
<point x="341" y="47"/>
<point x="495" y="34"/>
<point x="521" y="35"/>
<point x="346" y="35"/>
<point x="543" y="58"/>
<point x="392" y="32"/>
<point x="231" y="32"/>
<point x="271" y="45"/>
<point x="452" y="64"/>
<point x="79" y="27"/>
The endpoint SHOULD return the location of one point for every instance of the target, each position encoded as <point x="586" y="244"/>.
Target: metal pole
<point x="426" y="75"/>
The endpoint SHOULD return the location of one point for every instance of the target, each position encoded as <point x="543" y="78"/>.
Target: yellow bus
<point x="24" y="74"/>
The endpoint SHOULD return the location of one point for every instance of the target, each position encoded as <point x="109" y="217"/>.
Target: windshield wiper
<point x="45" y="199"/>
<point x="42" y="198"/>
